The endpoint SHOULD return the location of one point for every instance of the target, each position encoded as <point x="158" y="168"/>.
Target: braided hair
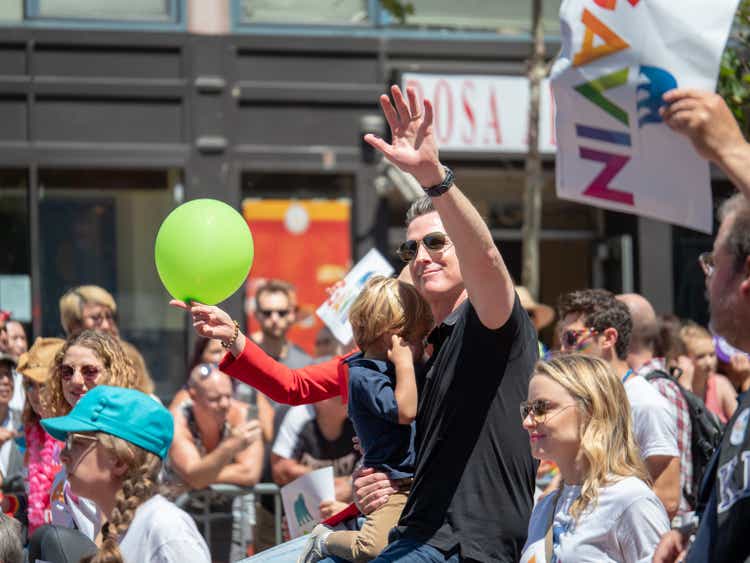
<point x="139" y="485"/>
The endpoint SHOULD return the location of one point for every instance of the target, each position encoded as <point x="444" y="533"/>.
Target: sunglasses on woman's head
<point x="432" y="241"/>
<point x="206" y="369"/>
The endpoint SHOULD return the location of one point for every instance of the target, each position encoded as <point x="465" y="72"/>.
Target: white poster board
<point x="302" y="498"/>
<point x="335" y="311"/>
<point x="618" y="59"/>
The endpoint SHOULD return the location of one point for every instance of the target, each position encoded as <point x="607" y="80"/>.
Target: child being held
<point x="701" y="378"/>
<point x="390" y="321"/>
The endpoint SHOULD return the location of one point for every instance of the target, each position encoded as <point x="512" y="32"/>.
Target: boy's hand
<point x="399" y="351"/>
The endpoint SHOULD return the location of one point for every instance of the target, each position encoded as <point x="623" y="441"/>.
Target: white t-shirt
<point x="288" y="436"/>
<point x="162" y="533"/>
<point x="625" y="526"/>
<point x="654" y="422"/>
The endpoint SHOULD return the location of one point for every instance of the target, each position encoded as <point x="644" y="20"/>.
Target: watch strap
<point x="442" y="187"/>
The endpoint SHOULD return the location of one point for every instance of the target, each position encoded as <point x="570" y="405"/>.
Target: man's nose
<point x="422" y="254"/>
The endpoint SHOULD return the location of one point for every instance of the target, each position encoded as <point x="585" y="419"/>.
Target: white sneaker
<point x="313" y="550"/>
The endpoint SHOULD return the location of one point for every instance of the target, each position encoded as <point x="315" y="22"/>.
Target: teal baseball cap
<point x="126" y="413"/>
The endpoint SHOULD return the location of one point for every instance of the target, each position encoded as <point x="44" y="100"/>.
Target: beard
<point x="726" y="319"/>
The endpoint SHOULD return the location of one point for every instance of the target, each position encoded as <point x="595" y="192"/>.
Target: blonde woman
<point x="84" y="362"/>
<point x="577" y="415"/>
<point x="117" y="465"/>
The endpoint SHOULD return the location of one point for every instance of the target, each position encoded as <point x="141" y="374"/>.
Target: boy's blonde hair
<point x="387" y="304"/>
<point x="692" y="332"/>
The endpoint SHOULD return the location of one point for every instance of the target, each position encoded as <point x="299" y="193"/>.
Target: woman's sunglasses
<point x="89" y="373"/>
<point x="432" y="241"/>
<point x="539" y="410"/>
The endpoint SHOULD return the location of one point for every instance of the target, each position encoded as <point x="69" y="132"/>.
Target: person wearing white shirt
<point x="117" y="466"/>
<point x="594" y="323"/>
<point x="577" y="415"/>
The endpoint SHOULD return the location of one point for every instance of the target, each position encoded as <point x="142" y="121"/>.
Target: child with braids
<point x="390" y="320"/>
<point x="84" y="362"/>
<point x="116" y="464"/>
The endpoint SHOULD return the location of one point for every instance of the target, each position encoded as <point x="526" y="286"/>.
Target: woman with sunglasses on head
<point x="84" y="362"/>
<point x="577" y="415"/>
<point x="117" y="465"/>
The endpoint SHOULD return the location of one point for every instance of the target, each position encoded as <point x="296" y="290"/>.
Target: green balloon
<point x="203" y="251"/>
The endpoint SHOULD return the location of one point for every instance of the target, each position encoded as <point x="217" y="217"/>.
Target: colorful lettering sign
<point x="618" y="59"/>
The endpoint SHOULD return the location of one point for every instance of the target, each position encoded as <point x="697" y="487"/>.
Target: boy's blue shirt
<point x="387" y="445"/>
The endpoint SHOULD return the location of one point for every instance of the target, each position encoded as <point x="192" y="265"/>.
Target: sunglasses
<point x="539" y="409"/>
<point x="99" y="318"/>
<point x="571" y="338"/>
<point x="89" y="373"/>
<point x="431" y="241"/>
<point x="70" y="440"/>
<point x="204" y="370"/>
<point x="268" y="313"/>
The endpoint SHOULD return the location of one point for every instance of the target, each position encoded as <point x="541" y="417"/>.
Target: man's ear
<point x="609" y="338"/>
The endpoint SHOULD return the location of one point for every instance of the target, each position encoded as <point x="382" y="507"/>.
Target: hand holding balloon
<point x="211" y="322"/>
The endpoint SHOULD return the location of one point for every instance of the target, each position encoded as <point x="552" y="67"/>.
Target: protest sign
<point x="618" y="59"/>
<point x="302" y="497"/>
<point x="335" y="311"/>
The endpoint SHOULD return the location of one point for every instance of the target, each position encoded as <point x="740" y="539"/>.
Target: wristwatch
<point x="442" y="187"/>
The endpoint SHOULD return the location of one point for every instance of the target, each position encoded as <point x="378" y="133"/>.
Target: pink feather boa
<point x="44" y="463"/>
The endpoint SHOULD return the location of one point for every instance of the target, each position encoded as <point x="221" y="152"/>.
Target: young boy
<point x="390" y="321"/>
<point x="715" y="390"/>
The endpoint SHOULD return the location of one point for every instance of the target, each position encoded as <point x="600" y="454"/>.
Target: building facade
<point x="114" y="113"/>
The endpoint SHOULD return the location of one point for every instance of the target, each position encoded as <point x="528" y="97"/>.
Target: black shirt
<point x="722" y="535"/>
<point x="474" y="480"/>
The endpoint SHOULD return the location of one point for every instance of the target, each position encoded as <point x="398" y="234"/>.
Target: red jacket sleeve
<point x="285" y="385"/>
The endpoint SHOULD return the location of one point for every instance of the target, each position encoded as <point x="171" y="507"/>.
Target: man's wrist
<point x="436" y="190"/>
<point x="432" y="177"/>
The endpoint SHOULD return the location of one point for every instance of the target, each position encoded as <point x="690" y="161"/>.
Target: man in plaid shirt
<point x="642" y="361"/>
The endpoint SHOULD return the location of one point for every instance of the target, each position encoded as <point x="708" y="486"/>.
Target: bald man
<point x="213" y="443"/>
<point x="644" y="335"/>
<point x="642" y="361"/>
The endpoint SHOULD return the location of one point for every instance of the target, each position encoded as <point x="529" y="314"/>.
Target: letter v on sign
<point x="594" y="26"/>
<point x="593" y="92"/>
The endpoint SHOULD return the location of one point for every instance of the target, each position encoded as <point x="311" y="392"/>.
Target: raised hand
<point x="413" y="147"/>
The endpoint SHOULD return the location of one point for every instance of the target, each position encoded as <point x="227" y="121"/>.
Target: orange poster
<point x="304" y="242"/>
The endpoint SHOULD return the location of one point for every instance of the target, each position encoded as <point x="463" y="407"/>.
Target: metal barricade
<point x="206" y="517"/>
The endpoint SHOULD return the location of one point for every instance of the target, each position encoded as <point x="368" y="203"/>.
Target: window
<point x="98" y="227"/>
<point x="507" y="17"/>
<point x="117" y="10"/>
<point x="15" y="265"/>
<point x="346" y="12"/>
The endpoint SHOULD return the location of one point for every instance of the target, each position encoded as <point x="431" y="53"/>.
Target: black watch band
<point x="442" y="187"/>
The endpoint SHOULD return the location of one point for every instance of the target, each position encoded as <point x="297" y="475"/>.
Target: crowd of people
<point x="453" y="432"/>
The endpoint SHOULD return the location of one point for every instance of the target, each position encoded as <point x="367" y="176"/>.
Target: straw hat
<point x="36" y="363"/>
<point x="542" y="315"/>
